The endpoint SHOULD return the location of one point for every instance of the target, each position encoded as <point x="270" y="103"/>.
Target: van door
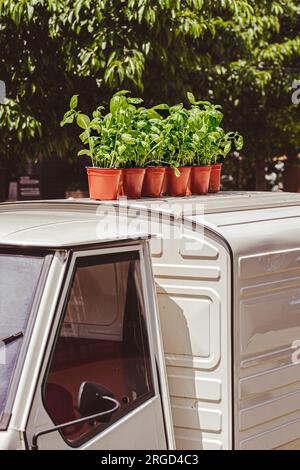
<point x="105" y="343"/>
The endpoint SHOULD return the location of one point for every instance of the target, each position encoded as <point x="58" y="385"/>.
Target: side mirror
<point x="95" y="402"/>
<point x="93" y="399"/>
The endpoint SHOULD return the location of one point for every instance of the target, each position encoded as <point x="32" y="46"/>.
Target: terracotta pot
<point x="164" y="188"/>
<point x="121" y="186"/>
<point x="153" y="181"/>
<point x="200" y="178"/>
<point x="104" y="183"/>
<point x="177" y="185"/>
<point x="215" y="178"/>
<point x="189" y="187"/>
<point x="133" y="179"/>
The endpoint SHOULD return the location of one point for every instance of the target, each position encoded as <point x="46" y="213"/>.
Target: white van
<point x="151" y="324"/>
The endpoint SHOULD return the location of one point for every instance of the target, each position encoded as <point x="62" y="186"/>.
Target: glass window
<point x="19" y="276"/>
<point x="103" y="340"/>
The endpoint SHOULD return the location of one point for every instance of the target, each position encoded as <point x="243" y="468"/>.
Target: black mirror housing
<point x="91" y="400"/>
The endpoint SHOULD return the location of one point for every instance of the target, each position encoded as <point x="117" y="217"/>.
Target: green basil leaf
<point x="83" y="121"/>
<point x="85" y="152"/>
<point x="191" y="97"/>
<point x="74" y="102"/>
<point x="135" y="100"/>
<point x="128" y="139"/>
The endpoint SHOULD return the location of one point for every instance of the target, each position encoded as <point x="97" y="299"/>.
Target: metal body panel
<point x="12" y="440"/>
<point x="266" y="250"/>
<point x="267" y="382"/>
<point x="194" y="305"/>
<point x="43" y="226"/>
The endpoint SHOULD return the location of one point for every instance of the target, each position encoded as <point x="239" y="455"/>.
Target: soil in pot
<point x="133" y="179"/>
<point x="215" y="178"/>
<point x="200" y="177"/>
<point x="153" y="181"/>
<point x="104" y="183"/>
<point x="177" y="185"/>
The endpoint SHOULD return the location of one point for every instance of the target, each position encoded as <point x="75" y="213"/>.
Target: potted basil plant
<point x="211" y="144"/>
<point x="177" y="151"/>
<point x="97" y="135"/>
<point x="120" y="144"/>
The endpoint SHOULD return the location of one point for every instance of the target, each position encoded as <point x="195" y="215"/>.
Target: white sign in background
<point x="2" y="92"/>
<point x="296" y="94"/>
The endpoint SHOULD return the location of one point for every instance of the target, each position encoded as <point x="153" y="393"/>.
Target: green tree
<point x="243" y="54"/>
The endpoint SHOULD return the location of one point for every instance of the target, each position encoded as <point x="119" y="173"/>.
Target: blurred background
<point x="242" y="54"/>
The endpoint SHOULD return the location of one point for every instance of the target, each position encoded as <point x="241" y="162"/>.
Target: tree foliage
<point x="243" y="54"/>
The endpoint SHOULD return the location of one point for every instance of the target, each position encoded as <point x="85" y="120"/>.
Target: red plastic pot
<point x="200" y="178"/>
<point x="189" y="187"/>
<point x="104" y="183"/>
<point x="133" y="179"/>
<point x="177" y="185"/>
<point x="121" y="186"/>
<point x="164" y="188"/>
<point x="153" y="181"/>
<point x="215" y="178"/>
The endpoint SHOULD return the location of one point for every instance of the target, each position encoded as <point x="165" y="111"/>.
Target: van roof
<point x="63" y="223"/>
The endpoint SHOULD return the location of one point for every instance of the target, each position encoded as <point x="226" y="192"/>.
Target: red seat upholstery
<point x="60" y="406"/>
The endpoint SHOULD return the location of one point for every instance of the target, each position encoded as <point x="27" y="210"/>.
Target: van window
<point x="19" y="277"/>
<point x="102" y="340"/>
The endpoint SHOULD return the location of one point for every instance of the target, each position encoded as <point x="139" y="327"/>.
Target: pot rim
<point x="178" y="167"/>
<point x="156" y="166"/>
<point x="138" y="168"/>
<point x="160" y="169"/>
<point x="216" y="165"/>
<point x="202" y="166"/>
<point x="102" y="169"/>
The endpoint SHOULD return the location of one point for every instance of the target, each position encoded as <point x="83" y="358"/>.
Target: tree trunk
<point x="260" y="181"/>
<point x="3" y="182"/>
<point x="291" y="178"/>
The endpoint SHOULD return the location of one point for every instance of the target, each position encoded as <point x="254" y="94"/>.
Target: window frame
<point x="60" y="314"/>
<point x="36" y="299"/>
